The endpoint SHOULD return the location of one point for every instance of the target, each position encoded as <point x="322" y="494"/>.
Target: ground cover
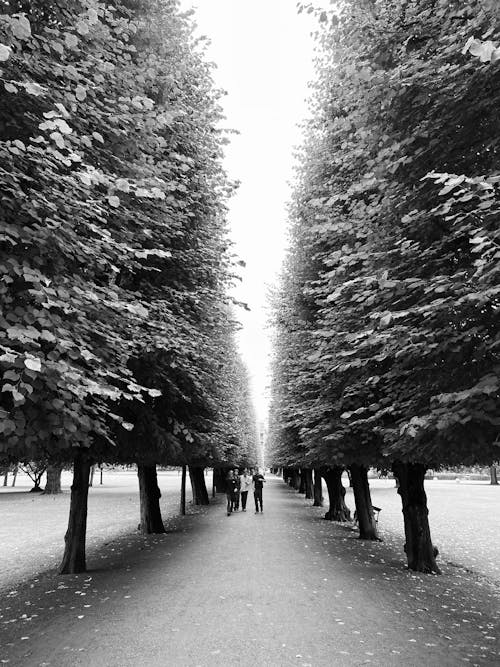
<point x="281" y="588"/>
<point x="32" y="526"/>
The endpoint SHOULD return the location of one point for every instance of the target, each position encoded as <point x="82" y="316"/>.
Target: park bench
<point x="376" y="512"/>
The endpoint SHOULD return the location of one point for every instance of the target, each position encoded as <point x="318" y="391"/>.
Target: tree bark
<point x="493" y="475"/>
<point x="295" y="479"/>
<point x="420" y="552"/>
<point x="183" y="490"/>
<point x="92" y="472"/>
<point x="73" y="560"/>
<point x="149" y="496"/>
<point x="336" y="492"/>
<point x="220" y="480"/>
<point x="318" y="489"/>
<point x="200" y="493"/>
<point x="362" y="498"/>
<point x="308" y="482"/>
<point x="53" y="485"/>
<point x="302" y="480"/>
<point x="5" y="477"/>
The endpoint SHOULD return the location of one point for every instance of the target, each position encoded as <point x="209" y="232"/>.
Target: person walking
<point x="237" y="482"/>
<point x="246" y="483"/>
<point x="230" y="491"/>
<point x="258" y="485"/>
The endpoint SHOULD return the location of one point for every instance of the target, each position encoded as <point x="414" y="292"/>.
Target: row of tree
<point x="116" y="329"/>
<point x="386" y="321"/>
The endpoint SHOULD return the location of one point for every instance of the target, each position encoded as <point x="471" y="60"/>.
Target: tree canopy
<point x="387" y="321"/>
<point x="114" y="257"/>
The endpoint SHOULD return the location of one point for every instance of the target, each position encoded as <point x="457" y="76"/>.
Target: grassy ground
<point x="32" y="526"/>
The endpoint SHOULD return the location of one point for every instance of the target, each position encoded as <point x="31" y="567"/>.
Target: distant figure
<point x="245" y="486"/>
<point x="258" y="485"/>
<point x="237" y="490"/>
<point x="231" y="488"/>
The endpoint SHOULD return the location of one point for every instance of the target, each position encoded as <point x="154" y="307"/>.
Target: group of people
<point x="238" y="486"/>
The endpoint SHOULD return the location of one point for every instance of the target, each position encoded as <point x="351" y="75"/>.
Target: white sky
<point x="263" y="51"/>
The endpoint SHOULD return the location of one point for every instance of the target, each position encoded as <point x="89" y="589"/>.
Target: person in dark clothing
<point x="231" y="489"/>
<point x="237" y="481"/>
<point x="258" y="485"/>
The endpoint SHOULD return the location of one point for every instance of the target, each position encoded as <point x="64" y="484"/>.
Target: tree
<point x="113" y="246"/>
<point x="394" y="219"/>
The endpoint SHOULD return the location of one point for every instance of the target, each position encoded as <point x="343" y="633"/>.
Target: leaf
<point x="34" y="89"/>
<point x="82" y="27"/>
<point x="58" y="138"/>
<point x="21" y="27"/>
<point x="154" y="393"/>
<point x="98" y="137"/>
<point x="10" y="88"/>
<point x="18" y="397"/>
<point x="33" y="364"/>
<point x="48" y="336"/>
<point x="122" y="184"/>
<point x="70" y="40"/>
<point x="60" y="107"/>
<point x="85" y="177"/>
<point x="63" y="126"/>
<point x="5" y="53"/>
<point x="114" y="201"/>
<point x="92" y="16"/>
<point x="80" y="93"/>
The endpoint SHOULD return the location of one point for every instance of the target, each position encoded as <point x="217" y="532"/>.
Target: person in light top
<point x="246" y="484"/>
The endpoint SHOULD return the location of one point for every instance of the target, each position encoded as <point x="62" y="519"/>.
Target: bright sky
<point x="263" y="51"/>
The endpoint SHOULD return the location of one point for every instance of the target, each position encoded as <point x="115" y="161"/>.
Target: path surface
<point x="281" y="588"/>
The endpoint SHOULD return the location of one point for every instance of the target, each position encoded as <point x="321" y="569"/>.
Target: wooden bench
<point x="376" y="512"/>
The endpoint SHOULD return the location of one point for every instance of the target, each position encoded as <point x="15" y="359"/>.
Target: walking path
<point x="274" y="589"/>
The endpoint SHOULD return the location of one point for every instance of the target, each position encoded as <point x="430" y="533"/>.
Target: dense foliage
<point x="387" y="320"/>
<point x="114" y="257"/>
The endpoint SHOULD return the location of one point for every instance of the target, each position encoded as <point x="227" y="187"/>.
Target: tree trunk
<point x="37" y="479"/>
<point x="307" y="476"/>
<point x="302" y="480"/>
<point x="183" y="491"/>
<point x="220" y="480"/>
<point x="336" y="492"/>
<point x="362" y="498"/>
<point x="493" y="475"/>
<point x="200" y="493"/>
<point x="53" y="485"/>
<point x="149" y="496"/>
<point x="5" y="477"/>
<point x="14" y="475"/>
<point x="73" y="560"/>
<point x="318" y="489"/>
<point x="92" y="472"/>
<point x="420" y="552"/>
<point x="295" y="479"/>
